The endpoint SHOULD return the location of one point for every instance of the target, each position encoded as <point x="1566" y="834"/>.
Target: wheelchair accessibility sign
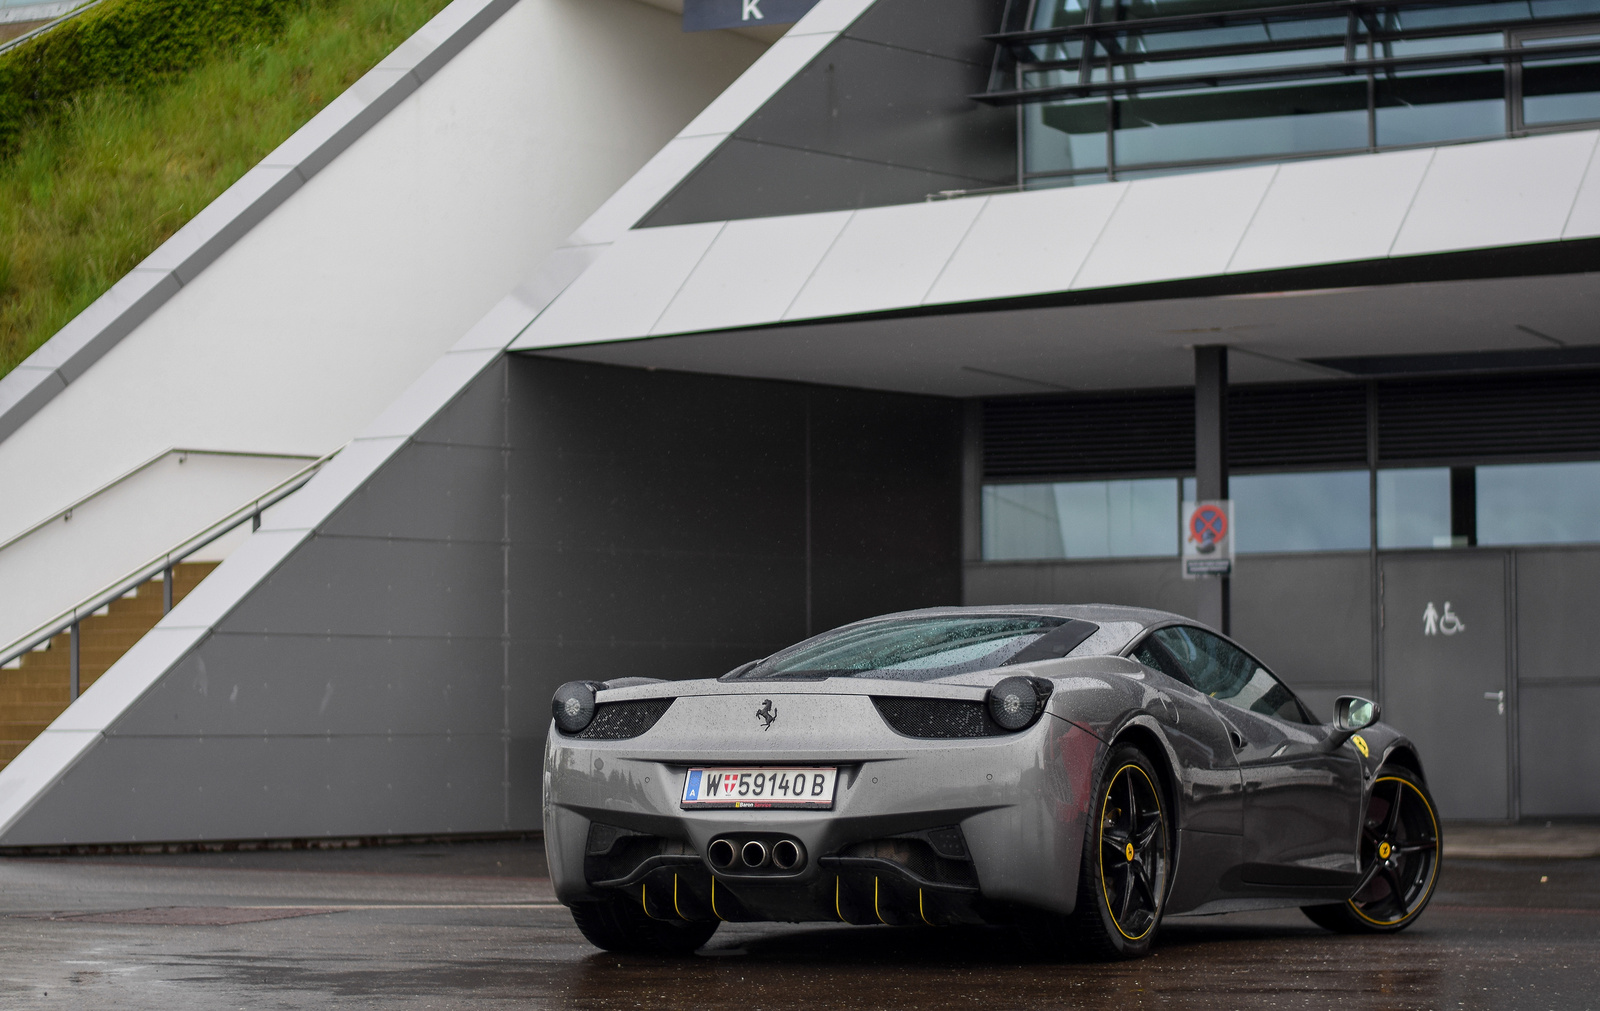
<point x="1207" y="538"/>
<point x="1435" y="623"/>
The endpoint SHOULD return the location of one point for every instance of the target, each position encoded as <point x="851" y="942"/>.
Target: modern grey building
<point x="953" y="301"/>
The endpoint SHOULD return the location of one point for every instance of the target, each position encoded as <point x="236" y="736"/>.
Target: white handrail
<point x="66" y="513"/>
<point x="63" y="19"/>
<point x="160" y="563"/>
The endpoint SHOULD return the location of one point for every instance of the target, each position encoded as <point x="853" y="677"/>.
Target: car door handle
<point x="1499" y="697"/>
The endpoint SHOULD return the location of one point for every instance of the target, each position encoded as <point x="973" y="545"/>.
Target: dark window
<point x="1229" y="674"/>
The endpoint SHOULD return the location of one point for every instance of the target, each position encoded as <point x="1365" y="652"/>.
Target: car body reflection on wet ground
<point x="475" y="925"/>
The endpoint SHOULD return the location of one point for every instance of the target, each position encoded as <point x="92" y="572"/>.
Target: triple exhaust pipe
<point x="783" y="855"/>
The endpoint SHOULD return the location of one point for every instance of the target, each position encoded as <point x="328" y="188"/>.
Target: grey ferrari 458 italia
<point x="1081" y="772"/>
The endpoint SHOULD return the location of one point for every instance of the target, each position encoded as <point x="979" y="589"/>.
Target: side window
<point x="1154" y="657"/>
<point x="1223" y="671"/>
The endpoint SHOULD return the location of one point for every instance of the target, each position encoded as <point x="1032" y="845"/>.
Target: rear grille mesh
<point x="618" y="721"/>
<point x="938" y="718"/>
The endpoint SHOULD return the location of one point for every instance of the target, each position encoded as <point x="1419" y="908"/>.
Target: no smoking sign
<point x="1207" y="538"/>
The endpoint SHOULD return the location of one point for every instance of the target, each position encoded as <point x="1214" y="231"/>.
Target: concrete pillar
<point x="1211" y="461"/>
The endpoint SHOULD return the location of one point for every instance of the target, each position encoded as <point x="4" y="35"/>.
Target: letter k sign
<point x="751" y="9"/>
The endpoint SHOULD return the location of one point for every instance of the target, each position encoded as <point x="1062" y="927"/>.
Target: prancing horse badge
<point x="767" y="715"/>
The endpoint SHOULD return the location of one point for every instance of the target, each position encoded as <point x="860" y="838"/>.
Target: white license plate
<point x="755" y="788"/>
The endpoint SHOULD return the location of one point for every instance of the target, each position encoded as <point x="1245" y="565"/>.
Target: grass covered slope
<point x="101" y="167"/>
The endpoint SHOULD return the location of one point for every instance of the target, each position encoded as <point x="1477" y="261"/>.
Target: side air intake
<point x="938" y="718"/>
<point x="618" y="721"/>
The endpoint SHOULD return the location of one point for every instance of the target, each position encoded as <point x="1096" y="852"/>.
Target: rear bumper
<point x="920" y="831"/>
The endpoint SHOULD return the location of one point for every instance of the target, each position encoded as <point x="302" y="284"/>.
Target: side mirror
<point x="1350" y="714"/>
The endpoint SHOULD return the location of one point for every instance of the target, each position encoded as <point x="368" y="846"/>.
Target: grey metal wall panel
<point x="659" y="596"/>
<point x="659" y="520"/>
<point x="524" y="777"/>
<point x="1557" y="635"/>
<point x="1139" y="582"/>
<point x="609" y="502"/>
<point x="949" y="28"/>
<point x="378" y="586"/>
<point x="450" y="493"/>
<point x="893" y="106"/>
<point x="886" y="505"/>
<point x="750" y="179"/>
<point x="605" y="506"/>
<point x="1015" y="583"/>
<point x="880" y="117"/>
<point x="1309" y="617"/>
<point x="1560" y="751"/>
<point x="477" y="417"/>
<point x="359" y="689"/>
<point x="140" y="789"/>
<point x="326" y="685"/>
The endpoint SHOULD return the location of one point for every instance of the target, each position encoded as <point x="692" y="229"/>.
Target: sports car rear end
<point x="916" y="806"/>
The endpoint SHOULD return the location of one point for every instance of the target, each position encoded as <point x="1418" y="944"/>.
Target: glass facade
<point x="1081" y="519"/>
<point x="1301" y="511"/>
<point x="1512" y="504"/>
<point x="1414" y="508"/>
<point x="1127" y="88"/>
<point x="1538" y="503"/>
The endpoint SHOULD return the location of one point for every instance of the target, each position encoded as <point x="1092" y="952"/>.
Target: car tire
<point x="620" y="925"/>
<point x="1400" y="858"/>
<point x="1126" y="863"/>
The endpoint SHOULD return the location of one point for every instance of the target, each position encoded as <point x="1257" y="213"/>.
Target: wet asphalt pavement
<point x="473" y="925"/>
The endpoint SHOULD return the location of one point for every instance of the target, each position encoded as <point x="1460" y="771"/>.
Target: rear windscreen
<point x="921" y="649"/>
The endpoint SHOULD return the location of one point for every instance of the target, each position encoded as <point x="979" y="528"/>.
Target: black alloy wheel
<point x="1400" y="850"/>
<point x="1122" y="884"/>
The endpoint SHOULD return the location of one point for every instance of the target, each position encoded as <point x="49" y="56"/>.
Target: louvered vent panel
<point x="1501" y="416"/>
<point x="1297" y="426"/>
<point x="1040" y="437"/>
